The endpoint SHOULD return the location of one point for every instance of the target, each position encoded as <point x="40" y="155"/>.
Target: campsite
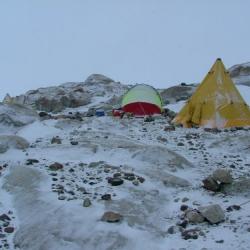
<point x="74" y="174"/>
<point x="124" y="125"/>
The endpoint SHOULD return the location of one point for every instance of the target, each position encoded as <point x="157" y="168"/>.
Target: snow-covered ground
<point x="47" y="206"/>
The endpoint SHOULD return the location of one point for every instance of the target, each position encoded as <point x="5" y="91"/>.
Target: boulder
<point x="194" y="216"/>
<point x="223" y="176"/>
<point x="16" y="115"/>
<point x="111" y="217"/>
<point x="210" y="184"/>
<point x="12" y="141"/>
<point x="213" y="213"/>
<point x="56" y="166"/>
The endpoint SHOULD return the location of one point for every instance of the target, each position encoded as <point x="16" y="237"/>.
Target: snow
<point x="148" y="209"/>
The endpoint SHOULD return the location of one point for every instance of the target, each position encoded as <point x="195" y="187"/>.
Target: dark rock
<point x="74" y="142"/>
<point x="9" y="230"/>
<point x="106" y="197"/>
<point x="31" y="161"/>
<point x="140" y="179"/>
<point x="115" y="181"/>
<point x="111" y="217"/>
<point x="4" y="217"/>
<point x="190" y="234"/>
<point x="219" y="241"/>
<point x="233" y="207"/>
<point x="55" y="166"/>
<point x="183" y="207"/>
<point x="210" y="184"/>
<point x="169" y="128"/>
<point x="183" y="223"/>
<point x="180" y="144"/>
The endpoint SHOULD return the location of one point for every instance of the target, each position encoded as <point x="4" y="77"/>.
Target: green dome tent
<point x="142" y="100"/>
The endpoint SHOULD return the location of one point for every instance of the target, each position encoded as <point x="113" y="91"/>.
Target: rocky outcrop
<point x="71" y="95"/>
<point x="177" y="93"/>
<point x="12" y="141"/>
<point x="240" y="73"/>
<point x="16" y="115"/>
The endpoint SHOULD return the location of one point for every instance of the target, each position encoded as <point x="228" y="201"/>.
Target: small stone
<point x="185" y="199"/>
<point x="180" y="144"/>
<point x="4" y="217"/>
<point x="55" y="166"/>
<point x="106" y="197"/>
<point x="219" y="241"/>
<point x="136" y="182"/>
<point x="2" y="236"/>
<point x="233" y="207"/>
<point x="115" y="181"/>
<point x="183" y="207"/>
<point x="190" y="234"/>
<point x="31" y="161"/>
<point x="87" y="202"/>
<point x="183" y="223"/>
<point x="9" y="230"/>
<point x="61" y="197"/>
<point x="74" y="143"/>
<point x="140" y="179"/>
<point x="111" y="217"/>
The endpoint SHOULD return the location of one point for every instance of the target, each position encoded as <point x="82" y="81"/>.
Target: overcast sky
<point x="159" y="42"/>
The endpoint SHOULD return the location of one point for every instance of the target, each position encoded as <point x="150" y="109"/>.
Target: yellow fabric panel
<point x="216" y="102"/>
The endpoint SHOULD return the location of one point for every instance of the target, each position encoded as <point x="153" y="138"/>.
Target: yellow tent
<point x="216" y="103"/>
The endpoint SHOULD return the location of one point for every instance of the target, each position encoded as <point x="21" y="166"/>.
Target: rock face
<point x="240" y="73"/>
<point x="177" y="93"/>
<point x="70" y="95"/>
<point x="12" y="141"/>
<point x="16" y="115"/>
<point x="213" y="213"/>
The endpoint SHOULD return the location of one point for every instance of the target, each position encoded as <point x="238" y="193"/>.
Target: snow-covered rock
<point x="213" y="213"/>
<point x="12" y="141"/>
<point x="240" y="73"/>
<point x="16" y="115"/>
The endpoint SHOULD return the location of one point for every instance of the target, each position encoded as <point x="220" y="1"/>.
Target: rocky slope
<point x="240" y="73"/>
<point x="74" y="181"/>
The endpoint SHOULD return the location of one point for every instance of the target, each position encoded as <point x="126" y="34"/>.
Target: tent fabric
<point x="142" y="100"/>
<point x="216" y="103"/>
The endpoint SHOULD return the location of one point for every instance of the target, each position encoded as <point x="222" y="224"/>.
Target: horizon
<point x="159" y="43"/>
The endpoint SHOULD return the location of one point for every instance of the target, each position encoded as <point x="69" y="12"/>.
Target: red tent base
<point x="141" y="108"/>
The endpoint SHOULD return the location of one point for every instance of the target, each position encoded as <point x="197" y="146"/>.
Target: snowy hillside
<point x="72" y="180"/>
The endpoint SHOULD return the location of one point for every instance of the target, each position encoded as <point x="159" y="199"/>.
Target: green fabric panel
<point x="142" y="93"/>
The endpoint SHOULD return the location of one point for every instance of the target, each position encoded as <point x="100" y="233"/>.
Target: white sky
<point x="159" y="42"/>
